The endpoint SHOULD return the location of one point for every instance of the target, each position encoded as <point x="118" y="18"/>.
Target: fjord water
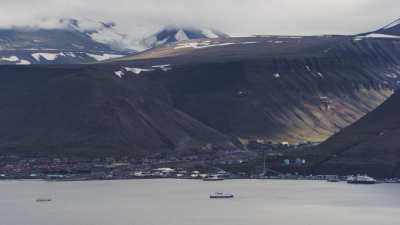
<point x="186" y="202"/>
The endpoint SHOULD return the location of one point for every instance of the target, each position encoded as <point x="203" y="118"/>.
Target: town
<point x="231" y="163"/>
<point x="256" y="162"/>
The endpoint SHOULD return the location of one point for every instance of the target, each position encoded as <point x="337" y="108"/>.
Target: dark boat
<point x="221" y="195"/>
<point x="43" y="200"/>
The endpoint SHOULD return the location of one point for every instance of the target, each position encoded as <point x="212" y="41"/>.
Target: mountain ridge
<point x="171" y="34"/>
<point x="278" y="89"/>
<point x="368" y="146"/>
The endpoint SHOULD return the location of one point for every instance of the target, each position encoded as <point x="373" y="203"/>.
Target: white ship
<point x="213" y="178"/>
<point x="360" y="179"/>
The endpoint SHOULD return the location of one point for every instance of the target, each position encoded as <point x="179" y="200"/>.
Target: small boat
<point x="43" y="200"/>
<point x="221" y="195"/>
<point x="213" y="178"/>
<point x="361" y="179"/>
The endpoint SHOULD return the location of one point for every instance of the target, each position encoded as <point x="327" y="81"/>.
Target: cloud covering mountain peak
<point x="239" y="18"/>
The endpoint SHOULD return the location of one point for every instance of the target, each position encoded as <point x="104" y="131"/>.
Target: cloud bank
<point x="235" y="17"/>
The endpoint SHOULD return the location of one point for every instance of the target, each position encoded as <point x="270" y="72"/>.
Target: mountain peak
<point x="391" y="30"/>
<point x="392" y="25"/>
<point x="174" y="33"/>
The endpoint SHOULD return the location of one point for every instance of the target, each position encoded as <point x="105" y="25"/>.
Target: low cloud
<point x="235" y="17"/>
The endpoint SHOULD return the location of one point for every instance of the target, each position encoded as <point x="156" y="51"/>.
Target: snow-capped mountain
<point x="72" y="41"/>
<point x="83" y="41"/>
<point x="174" y="34"/>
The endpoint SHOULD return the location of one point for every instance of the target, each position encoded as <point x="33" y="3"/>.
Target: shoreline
<point x="171" y="178"/>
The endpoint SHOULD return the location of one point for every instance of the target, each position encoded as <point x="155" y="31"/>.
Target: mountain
<point x="89" y="111"/>
<point x="71" y="41"/>
<point x="369" y="146"/>
<point x="74" y="41"/>
<point x="278" y="88"/>
<point x="175" y="34"/>
<point x="181" y="97"/>
<point x="392" y="30"/>
<point x="187" y="96"/>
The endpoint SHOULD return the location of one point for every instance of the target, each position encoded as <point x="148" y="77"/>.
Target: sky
<point x="235" y="17"/>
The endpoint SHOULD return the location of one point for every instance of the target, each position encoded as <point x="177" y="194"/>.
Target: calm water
<point x="186" y="202"/>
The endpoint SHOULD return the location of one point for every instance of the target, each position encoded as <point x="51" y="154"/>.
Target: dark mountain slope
<point x="90" y="111"/>
<point x="371" y="145"/>
<point x="186" y="95"/>
<point x="277" y="88"/>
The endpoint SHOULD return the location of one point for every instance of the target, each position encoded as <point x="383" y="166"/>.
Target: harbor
<point x="187" y="201"/>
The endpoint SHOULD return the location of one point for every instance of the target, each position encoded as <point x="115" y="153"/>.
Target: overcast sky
<point x="235" y="17"/>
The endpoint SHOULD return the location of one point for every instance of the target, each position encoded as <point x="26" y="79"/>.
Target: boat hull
<point x="226" y="196"/>
<point x="43" y="200"/>
<point x="213" y="179"/>
<point x="361" y="182"/>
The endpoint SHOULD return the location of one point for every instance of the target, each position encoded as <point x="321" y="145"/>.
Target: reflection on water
<point x="186" y="202"/>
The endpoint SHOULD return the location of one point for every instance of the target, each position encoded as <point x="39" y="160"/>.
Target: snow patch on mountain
<point x="52" y="56"/>
<point x="375" y="35"/>
<point x="165" y="68"/>
<point x="202" y="44"/>
<point x="181" y="35"/>
<point x="47" y="56"/>
<point x="392" y="75"/>
<point x="119" y="73"/>
<point x="104" y="56"/>
<point x="23" y="62"/>
<point x="209" y="33"/>
<point x="248" y="42"/>
<point x="137" y="70"/>
<point x="15" y="60"/>
<point x="10" y="59"/>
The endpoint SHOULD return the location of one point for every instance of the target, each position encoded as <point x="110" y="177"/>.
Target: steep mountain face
<point x="175" y="34"/>
<point x="88" y="111"/>
<point x="73" y="42"/>
<point x="369" y="146"/>
<point x="277" y="88"/>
